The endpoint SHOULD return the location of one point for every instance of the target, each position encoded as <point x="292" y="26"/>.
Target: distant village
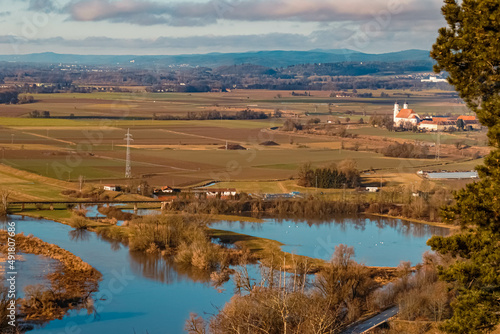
<point x="407" y="118"/>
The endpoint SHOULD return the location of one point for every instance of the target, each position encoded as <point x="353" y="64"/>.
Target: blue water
<point x="33" y="268"/>
<point x="142" y="293"/>
<point x="376" y="241"/>
<point x="138" y="293"/>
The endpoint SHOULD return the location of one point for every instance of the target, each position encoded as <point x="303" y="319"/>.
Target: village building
<point x="168" y="190"/>
<point x="433" y="79"/>
<point x="408" y="118"/>
<point x="437" y="124"/>
<point x="470" y="122"/>
<point x="223" y="193"/>
<point x="405" y="116"/>
<point x="111" y="188"/>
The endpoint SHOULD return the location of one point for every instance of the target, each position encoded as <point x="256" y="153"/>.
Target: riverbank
<point x="71" y="283"/>
<point x="418" y="221"/>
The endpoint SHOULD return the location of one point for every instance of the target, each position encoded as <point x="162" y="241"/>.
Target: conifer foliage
<point x="468" y="49"/>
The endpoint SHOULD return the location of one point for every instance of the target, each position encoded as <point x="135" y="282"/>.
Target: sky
<point x="168" y="27"/>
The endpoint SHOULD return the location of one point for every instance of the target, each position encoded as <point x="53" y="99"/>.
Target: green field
<point x="184" y="153"/>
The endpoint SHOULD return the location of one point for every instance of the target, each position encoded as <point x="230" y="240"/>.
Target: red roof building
<point x="405" y="116"/>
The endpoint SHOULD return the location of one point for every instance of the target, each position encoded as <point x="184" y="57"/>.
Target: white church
<point x="405" y="116"/>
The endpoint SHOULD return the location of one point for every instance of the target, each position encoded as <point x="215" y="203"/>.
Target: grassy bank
<point x="266" y="250"/>
<point x="418" y="221"/>
<point x="71" y="284"/>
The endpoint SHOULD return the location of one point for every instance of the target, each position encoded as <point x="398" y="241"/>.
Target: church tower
<point x="396" y="111"/>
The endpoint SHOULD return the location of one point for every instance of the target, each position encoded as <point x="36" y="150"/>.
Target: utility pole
<point x="438" y="146"/>
<point x="81" y="180"/>
<point x="128" y="167"/>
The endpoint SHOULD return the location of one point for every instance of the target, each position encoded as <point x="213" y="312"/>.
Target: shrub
<point x="79" y="222"/>
<point x="114" y="212"/>
<point x="291" y="125"/>
<point x="406" y="150"/>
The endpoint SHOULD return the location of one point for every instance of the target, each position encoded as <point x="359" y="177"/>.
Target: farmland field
<point x="91" y="143"/>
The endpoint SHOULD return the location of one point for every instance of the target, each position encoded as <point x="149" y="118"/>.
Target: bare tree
<point x="195" y="324"/>
<point x="4" y="201"/>
<point x="81" y="180"/>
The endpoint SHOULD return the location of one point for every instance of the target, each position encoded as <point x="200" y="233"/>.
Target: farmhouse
<point x="470" y="122"/>
<point x="221" y="192"/>
<point x="436" y="124"/>
<point x="111" y="188"/>
<point x="405" y="116"/>
<point x="433" y="79"/>
<point x="168" y="190"/>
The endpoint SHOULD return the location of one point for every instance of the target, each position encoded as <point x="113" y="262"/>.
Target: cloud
<point x="148" y="12"/>
<point x="3" y="14"/>
<point x="167" y="43"/>
<point x="41" y="5"/>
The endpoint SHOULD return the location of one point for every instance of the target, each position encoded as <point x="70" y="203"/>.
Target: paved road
<point x="373" y="321"/>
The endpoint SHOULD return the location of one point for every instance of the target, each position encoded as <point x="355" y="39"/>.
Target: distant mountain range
<point x="264" y="58"/>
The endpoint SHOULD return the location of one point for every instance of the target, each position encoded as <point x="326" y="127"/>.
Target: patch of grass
<point x="27" y="186"/>
<point x="56" y="214"/>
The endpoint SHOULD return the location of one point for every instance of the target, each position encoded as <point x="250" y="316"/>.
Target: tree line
<point x="9" y="97"/>
<point x="345" y="175"/>
<point x="214" y="114"/>
<point x="306" y="77"/>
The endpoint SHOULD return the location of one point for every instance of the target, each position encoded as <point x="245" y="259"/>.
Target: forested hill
<point x="271" y="59"/>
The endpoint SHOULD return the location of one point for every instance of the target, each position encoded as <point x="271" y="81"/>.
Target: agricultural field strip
<point x="144" y="163"/>
<point x="200" y="136"/>
<point x="50" y="138"/>
<point x="27" y="176"/>
<point x="18" y="182"/>
<point x="43" y="123"/>
<point x="338" y="139"/>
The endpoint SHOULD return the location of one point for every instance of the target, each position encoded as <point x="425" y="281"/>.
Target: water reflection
<point x="115" y="245"/>
<point x="79" y="235"/>
<point x="360" y="223"/>
<point x="34" y="270"/>
<point x="377" y="241"/>
<point x="144" y="293"/>
<point x="164" y="269"/>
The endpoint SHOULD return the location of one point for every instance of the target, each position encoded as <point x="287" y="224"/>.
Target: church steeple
<point x="396" y="110"/>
